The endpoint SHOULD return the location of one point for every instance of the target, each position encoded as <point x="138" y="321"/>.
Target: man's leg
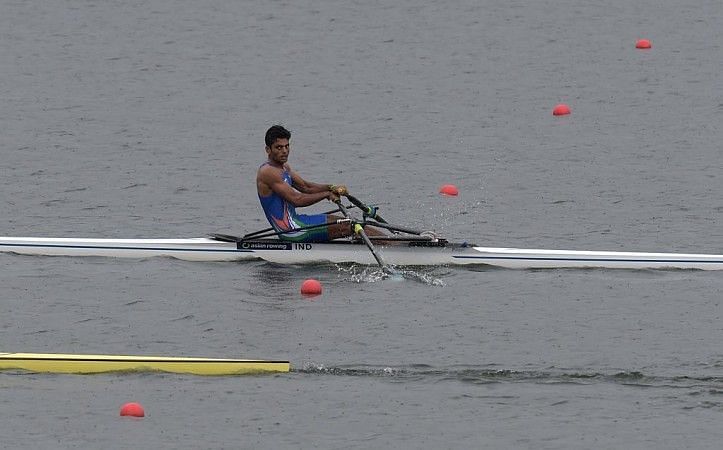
<point x="340" y="230"/>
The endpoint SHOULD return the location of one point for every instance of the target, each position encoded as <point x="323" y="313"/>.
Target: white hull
<point x="402" y="254"/>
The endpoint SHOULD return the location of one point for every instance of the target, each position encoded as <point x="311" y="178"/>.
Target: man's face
<point x="279" y="151"/>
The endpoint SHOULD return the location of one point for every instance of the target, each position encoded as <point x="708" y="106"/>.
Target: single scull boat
<point x="403" y="247"/>
<point x="84" y="364"/>
<point x="402" y="253"/>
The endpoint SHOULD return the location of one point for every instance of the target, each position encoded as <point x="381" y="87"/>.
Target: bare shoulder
<point x="268" y="172"/>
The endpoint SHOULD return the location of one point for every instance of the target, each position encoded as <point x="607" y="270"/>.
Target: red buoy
<point x="311" y="287"/>
<point x="643" y="44"/>
<point x="449" y="189"/>
<point x="561" y="110"/>
<point x="132" y="409"/>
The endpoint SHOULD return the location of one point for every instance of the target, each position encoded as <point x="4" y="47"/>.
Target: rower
<point x="281" y="190"/>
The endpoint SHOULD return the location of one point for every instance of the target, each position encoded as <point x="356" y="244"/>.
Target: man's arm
<point x="307" y="187"/>
<point x="272" y="179"/>
<point x="310" y="187"/>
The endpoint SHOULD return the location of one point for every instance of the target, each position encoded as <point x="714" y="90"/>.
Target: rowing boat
<point x="403" y="253"/>
<point x="86" y="364"/>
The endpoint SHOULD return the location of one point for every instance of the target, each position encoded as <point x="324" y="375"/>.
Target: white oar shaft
<point x="360" y="231"/>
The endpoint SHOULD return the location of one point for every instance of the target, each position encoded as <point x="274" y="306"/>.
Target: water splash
<point x="373" y="274"/>
<point x="425" y="278"/>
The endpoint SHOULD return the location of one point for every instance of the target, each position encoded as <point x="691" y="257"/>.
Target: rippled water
<point x="146" y="119"/>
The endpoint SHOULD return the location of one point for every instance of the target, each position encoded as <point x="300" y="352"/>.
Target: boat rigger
<point x="88" y="364"/>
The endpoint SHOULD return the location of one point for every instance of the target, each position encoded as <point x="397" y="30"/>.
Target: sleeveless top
<point x="279" y="212"/>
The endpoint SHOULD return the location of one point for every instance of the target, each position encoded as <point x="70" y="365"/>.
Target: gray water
<point x="146" y="119"/>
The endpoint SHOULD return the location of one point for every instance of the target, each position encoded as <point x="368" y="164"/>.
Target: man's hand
<point x="338" y="189"/>
<point x="333" y="197"/>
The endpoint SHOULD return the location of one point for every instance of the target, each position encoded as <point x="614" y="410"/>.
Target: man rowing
<point x="281" y="190"/>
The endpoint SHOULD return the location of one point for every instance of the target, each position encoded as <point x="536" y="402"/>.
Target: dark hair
<point x="276" y="132"/>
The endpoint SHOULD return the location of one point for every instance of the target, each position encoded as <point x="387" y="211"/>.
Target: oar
<point x="380" y="222"/>
<point x="360" y="231"/>
<point x="391" y="227"/>
<point x="368" y="211"/>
